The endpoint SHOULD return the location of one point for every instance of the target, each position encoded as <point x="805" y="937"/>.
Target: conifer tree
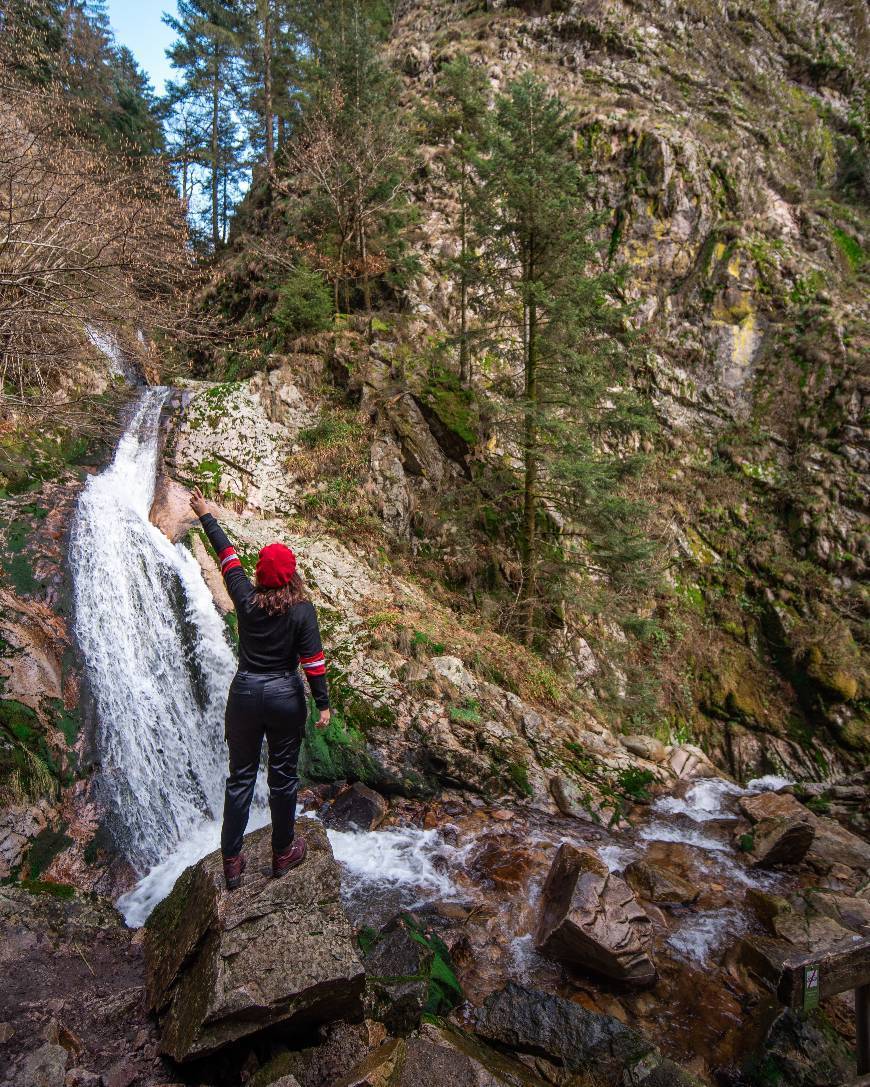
<point x="206" y="52"/>
<point x="460" y="117"/>
<point x="550" y="287"/>
<point x="270" y="51"/>
<point x="351" y="149"/>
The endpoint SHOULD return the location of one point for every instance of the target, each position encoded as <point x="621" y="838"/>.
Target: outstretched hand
<point x="197" y="502"/>
<point x="323" y="720"/>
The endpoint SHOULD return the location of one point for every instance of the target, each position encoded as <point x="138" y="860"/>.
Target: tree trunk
<point x="364" y="259"/>
<point x="530" y="456"/>
<point x="215" y="172"/>
<point x="268" y="117"/>
<point x="464" y="365"/>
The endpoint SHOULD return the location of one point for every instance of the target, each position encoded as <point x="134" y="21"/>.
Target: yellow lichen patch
<point x="745" y="340"/>
<point x="733" y="306"/>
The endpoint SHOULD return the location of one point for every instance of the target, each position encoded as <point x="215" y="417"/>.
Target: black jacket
<point x="270" y="643"/>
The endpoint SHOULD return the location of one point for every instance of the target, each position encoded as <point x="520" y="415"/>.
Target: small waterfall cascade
<point x="156" y="654"/>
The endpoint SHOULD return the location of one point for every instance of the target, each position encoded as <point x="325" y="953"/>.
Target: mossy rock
<point x="823" y="666"/>
<point x="29" y="770"/>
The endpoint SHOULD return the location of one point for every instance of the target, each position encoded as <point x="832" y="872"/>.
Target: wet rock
<point x="220" y="965"/>
<point x="780" y="840"/>
<point x="850" y="911"/>
<point x="645" y="747"/>
<point x="772" y="806"/>
<point x="590" y="918"/>
<point x="580" y="803"/>
<point x="81" y="1077"/>
<point x="689" y="761"/>
<point x="504" y="863"/>
<point x="438" y="1057"/>
<point x="658" y="885"/>
<point x="356" y="807"/>
<point x="670" y="1074"/>
<point x="802" y="1051"/>
<point x="44" y="1067"/>
<point x="397" y="972"/>
<point x="544" y="1025"/>
<point x="833" y="844"/>
<point x="783" y="831"/>
<point x="339" y="1047"/>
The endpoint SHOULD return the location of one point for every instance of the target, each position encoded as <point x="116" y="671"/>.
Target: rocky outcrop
<point x="437" y="1057"/>
<point x="356" y="807"/>
<point x="783" y="832"/>
<point x="72" y="1003"/>
<point x="221" y="966"/>
<point x="398" y="968"/>
<point x="543" y="1025"/>
<point x="563" y="1037"/>
<point x="659" y="885"/>
<point x="590" y="918"/>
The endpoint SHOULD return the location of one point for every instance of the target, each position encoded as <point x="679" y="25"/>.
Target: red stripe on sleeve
<point x="231" y="565"/>
<point x="223" y="554"/>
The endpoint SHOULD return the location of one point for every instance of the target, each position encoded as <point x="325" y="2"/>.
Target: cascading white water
<point x="155" y="651"/>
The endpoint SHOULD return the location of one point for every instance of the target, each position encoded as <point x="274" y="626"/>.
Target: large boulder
<point x="780" y="840"/>
<point x="398" y="967"/>
<point x="591" y="918"/>
<point x="783" y="830"/>
<point x="543" y="1025"/>
<point x="659" y="885"/>
<point x="221" y="965"/>
<point x="356" y="807"/>
<point x="439" y="1056"/>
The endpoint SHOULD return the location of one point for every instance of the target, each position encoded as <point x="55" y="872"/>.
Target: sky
<point x="138" y="24"/>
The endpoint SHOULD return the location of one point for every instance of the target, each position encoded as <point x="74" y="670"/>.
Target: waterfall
<point x="156" y="654"/>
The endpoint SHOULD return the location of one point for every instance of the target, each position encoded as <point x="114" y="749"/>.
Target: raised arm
<point x="236" y="580"/>
<point x="311" y="658"/>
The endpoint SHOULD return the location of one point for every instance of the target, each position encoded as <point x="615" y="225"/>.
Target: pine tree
<point x="460" y="116"/>
<point x="270" y="52"/>
<point x="560" y="304"/>
<point x="206" y="52"/>
<point x="351" y="150"/>
<point x="69" y="45"/>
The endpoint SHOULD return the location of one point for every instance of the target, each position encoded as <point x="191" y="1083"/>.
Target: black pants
<point x="271" y="704"/>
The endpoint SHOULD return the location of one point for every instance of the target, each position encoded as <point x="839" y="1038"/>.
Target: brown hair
<point x="280" y="600"/>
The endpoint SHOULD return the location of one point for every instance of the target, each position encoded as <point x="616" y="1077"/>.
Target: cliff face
<point x="728" y="140"/>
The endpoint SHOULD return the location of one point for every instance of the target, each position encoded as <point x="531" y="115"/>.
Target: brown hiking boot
<point x="291" y="856"/>
<point x="233" y="868"/>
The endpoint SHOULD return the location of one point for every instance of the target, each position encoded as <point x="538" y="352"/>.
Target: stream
<point x="159" y="662"/>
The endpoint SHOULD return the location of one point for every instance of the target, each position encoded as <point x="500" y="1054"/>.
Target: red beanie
<point x="275" y="566"/>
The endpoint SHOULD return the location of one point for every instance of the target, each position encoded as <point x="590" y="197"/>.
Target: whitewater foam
<point x="700" y="936"/>
<point x="415" y="862"/>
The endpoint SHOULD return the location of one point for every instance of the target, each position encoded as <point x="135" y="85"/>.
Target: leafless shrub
<point x="86" y="239"/>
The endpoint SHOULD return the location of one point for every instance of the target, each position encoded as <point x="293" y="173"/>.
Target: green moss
<point x="746" y="843"/>
<point x="28" y="769"/>
<point x="336" y="753"/>
<point x="849" y="247"/>
<point x="330" y="431"/>
<point x="445" y="992"/>
<point x="454" y="405"/>
<point x="518" y="773"/>
<point x="56" y="890"/>
<point x="44" y="848"/>
<point x="633" y="782"/>
<point x="468" y="713"/>
<point x="421" y="641"/>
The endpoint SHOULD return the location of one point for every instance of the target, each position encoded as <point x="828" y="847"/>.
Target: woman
<point x="277" y="631"/>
